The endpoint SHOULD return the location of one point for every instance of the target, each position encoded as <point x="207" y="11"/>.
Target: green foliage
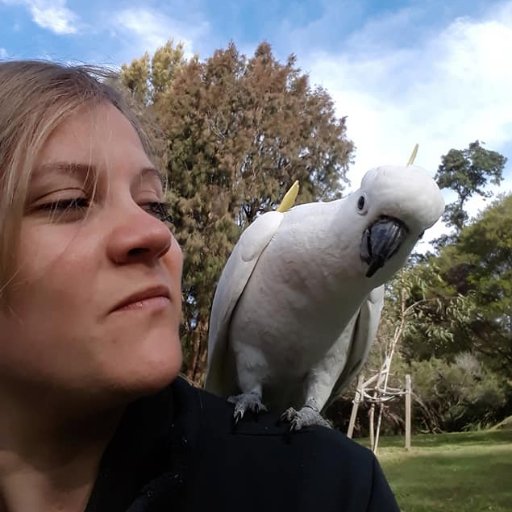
<point x="425" y="310"/>
<point x="456" y="396"/>
<point x="464" y="394"/>
<point x="480" y="265"/>
<point x="135" y="78"/>
<point x="468" y="172"/>
<point x="149" y="78"/>
<point x="461" y="299"/>
<point x="253" y="126"/>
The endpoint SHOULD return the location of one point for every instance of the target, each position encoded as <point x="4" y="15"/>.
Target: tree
<point x="426" y="310"/>
<point x="238" y="132"/>
<point x="464" y="294"/>
<point x="480" y="263"/>
<point x="467" y="172"/>
<point x="458" y="395"/>
<point x="149" y="78"/>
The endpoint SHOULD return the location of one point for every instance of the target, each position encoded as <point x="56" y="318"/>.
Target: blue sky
<point x="436" y="72"/>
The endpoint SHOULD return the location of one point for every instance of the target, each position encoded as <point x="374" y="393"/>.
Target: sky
<point x="432" y="72"/>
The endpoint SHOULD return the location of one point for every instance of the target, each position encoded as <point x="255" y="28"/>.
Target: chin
<point x="148" y="370"/>
<point x="156" y="373"/>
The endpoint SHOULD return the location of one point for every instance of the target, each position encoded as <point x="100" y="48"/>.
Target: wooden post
<point x="408" y="412"/>
<point x="353" y="415"/>
<point x="372" y="420"/>
<point x="377" y="430"/>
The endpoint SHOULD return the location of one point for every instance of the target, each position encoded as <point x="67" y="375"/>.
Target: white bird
<point x="299" y="301"/>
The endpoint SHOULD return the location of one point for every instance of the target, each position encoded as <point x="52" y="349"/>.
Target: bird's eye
<point x="362" y="204"/>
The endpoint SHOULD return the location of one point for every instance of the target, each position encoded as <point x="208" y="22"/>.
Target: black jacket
<point x="179" y="450"/>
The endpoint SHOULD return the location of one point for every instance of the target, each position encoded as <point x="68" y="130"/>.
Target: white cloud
<point x="53" y="15"/>
<point x="3" y="53"/>
<point x="153" y="29"/>
<point x="452" y="88"/>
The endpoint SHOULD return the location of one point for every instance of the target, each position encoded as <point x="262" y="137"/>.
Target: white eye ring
<point x="362" y="204"/>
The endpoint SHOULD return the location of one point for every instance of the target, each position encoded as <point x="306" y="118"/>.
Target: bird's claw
<point x="246" y="402"/>
<point x="238" y="415"/>
<point x="306" y="417"/>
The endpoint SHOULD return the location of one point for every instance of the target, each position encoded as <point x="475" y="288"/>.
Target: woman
<point x="93" y="414"/>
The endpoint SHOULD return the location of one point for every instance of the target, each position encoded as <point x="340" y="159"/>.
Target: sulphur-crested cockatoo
<point x="298" y="303"/>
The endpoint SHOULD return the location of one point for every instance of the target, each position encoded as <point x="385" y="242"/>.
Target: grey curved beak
<point x="380" y="241"/>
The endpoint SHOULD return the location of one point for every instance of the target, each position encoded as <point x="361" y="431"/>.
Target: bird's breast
<point x="293" y="319"/>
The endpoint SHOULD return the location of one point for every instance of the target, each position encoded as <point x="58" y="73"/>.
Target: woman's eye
<point x="160" y="210"/>
<point x="62" y="205"/>
<point x="74" y="203"/>
<point x="65" y="210"/>
<point x="78" y="205"/>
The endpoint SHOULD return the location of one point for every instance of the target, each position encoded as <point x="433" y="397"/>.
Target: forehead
<point x="98" y="138"/>
<point x="86" y="172"/>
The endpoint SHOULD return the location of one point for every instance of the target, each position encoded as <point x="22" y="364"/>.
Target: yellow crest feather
<point x="413" y="155"/>
<point x="289" y="198"/>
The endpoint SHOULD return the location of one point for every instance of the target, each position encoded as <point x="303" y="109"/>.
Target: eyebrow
<point x="86" y="170"/>
<point x="151" y="171"/>
<point x="64" y="168"/>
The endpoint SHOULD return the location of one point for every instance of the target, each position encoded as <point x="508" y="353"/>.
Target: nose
<point x="138" y="238"/>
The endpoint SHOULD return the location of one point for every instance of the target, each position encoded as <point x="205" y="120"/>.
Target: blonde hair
<point x="35" y="97"/>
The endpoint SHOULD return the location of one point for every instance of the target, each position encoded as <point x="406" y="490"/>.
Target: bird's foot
<point x="246" y="402"/>
<point x="306" y="417"/>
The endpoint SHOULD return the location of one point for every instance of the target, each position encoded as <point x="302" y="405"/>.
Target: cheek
<point x="52" y="254"/>
<point x="173" y="262"/>
<point x="50" y="297"/>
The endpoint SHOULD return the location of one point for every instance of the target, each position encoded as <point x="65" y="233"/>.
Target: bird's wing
<point x="364" y="332"/>
<point x="221" y="373"/>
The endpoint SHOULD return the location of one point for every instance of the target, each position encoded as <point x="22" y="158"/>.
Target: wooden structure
<point x="377" y="392"/>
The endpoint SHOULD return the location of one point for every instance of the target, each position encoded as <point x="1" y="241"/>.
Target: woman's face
<point x="95" y="307"/>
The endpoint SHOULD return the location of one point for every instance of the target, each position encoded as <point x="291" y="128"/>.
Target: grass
<point x="460" y="472"/>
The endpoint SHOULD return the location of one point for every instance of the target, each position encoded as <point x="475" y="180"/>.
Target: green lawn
<point x="462" y="472"/>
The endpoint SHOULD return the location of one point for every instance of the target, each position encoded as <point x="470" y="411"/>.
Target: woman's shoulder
<point x="217" y="419"/>
<point x="216" y="415"/>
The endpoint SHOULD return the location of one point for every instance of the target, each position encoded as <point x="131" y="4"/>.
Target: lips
<point x="148" y="293"/>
